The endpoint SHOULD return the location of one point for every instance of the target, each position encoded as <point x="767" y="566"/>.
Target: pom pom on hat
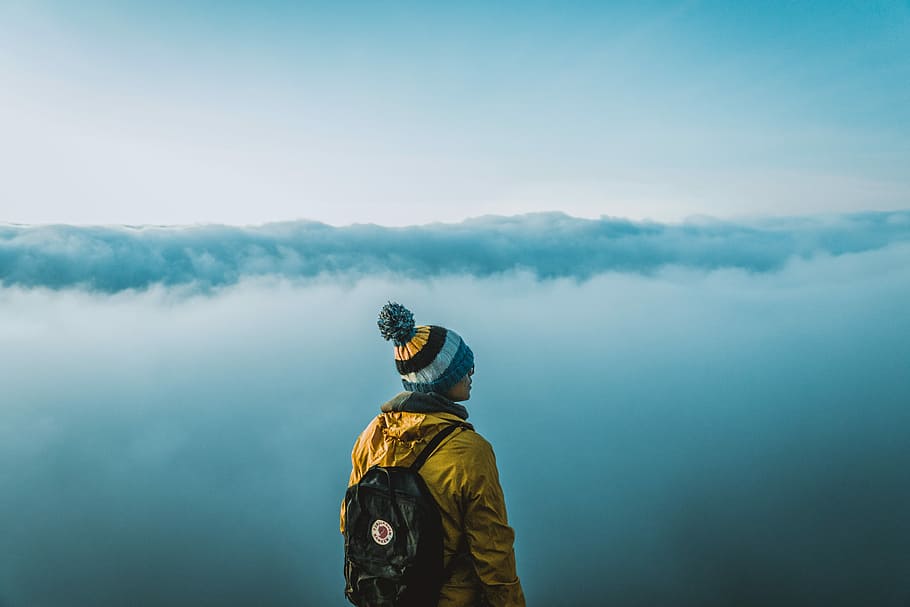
<point x="396" y="323"/>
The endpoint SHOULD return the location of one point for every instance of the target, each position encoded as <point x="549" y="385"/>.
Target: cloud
<point x="677" y="437"/>
<point x="548" y="245"/>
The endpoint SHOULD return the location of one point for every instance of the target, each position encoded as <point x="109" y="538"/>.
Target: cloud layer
<point x="548" y="245"/>
<point x="682" y="437"/>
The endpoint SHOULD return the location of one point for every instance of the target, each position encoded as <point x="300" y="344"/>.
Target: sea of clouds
<point x="703" y="413"/>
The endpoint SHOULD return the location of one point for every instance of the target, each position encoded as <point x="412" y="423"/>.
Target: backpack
<point x="393" y="541"/>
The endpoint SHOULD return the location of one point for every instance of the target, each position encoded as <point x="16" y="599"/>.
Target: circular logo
<point x="382" y="532"/>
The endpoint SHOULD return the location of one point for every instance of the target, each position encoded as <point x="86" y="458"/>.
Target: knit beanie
<point x="428" y="358"/>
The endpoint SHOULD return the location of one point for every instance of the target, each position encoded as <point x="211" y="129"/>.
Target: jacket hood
<point x="413" y="417"/>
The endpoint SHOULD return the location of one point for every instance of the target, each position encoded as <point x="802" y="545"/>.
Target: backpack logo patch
<point x="382" y="532"/>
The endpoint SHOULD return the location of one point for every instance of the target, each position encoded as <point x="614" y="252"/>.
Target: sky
<point x="675" y="235"/>
<point x="404" y="113"/>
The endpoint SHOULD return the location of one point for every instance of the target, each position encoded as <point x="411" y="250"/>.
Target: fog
<point x="697" y="434"/>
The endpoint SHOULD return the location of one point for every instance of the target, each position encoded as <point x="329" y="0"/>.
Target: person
<point x="436" y="368"/>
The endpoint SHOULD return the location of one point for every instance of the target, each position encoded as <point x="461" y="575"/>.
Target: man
<point x="436" y="366"/>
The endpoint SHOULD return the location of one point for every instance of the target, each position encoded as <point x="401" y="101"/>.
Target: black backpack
<point x="393" y="544"/>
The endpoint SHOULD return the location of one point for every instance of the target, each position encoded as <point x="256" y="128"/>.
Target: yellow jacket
<point x="464" y="480"/>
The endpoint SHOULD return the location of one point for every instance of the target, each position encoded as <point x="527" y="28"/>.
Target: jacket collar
<point x="420" y="402"/>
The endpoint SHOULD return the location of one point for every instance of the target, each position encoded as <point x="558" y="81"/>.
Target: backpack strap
<point x="431" y="447"/>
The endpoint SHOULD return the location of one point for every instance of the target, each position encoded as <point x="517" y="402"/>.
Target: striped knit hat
<point x="429" y="358"/>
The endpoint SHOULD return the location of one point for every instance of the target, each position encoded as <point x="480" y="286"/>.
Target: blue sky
<point x="403" y="113"/>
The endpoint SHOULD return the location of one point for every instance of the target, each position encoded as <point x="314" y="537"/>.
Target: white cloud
<point x="206" y="437"/>
<point x="548" y="245"/>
